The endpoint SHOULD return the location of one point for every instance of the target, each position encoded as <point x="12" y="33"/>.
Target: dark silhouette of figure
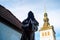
<point x="29" y="26"/>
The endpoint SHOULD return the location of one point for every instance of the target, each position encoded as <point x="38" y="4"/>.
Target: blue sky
<point x="20" y="9"/>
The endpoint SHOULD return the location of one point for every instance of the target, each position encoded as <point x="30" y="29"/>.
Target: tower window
<point x="48" y="33"/>
<point x="42" y="33"/>
<point x="45" y="34"/>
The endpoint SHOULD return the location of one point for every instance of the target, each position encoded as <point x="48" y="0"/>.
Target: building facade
<point x="10" y="26"/>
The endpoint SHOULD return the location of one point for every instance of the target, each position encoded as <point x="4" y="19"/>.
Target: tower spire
<point x="44" y="6"/>
<point x="46" y="20"/>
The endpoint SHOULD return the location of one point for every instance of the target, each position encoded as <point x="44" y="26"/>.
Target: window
<point x="45" y="33"/>
<point x="48" y="33"/>
<point x="7" y="33"/>
<point x="42" y="33"/>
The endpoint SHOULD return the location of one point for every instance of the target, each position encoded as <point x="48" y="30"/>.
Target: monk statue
<point x="30" y="27"/>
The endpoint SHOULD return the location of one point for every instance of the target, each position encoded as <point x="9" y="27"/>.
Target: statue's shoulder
<point x="35" y="22"/>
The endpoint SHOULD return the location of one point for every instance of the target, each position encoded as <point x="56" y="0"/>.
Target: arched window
<point x="48" y="33"/>
<point x="42" y="33"/>
<point x="45" y="34"/>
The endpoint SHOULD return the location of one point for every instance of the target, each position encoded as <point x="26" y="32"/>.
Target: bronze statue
<point x="30" y="27"/>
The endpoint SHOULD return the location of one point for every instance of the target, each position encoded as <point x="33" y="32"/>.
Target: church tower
<point x="47" y="32"/>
